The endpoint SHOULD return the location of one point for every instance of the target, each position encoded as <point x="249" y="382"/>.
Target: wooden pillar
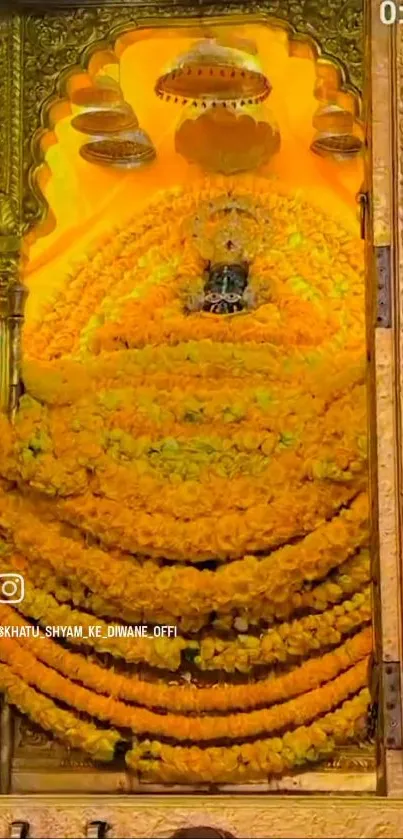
<point x="386" y="258"/>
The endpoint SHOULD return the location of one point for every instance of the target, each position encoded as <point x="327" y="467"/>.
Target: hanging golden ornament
<point x="105" y="119"/>
<point x="227" y="228"/>
<point x="104" y="91"/>
<point x="331" y="118"/>
<point x="126" y="150"/>
<point x="101" y="108"/>
<point x="212" y="74"/>
<point x="225" y="141"/>
<point x="335" y="135"/>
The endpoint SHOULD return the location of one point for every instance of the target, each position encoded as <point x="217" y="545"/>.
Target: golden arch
<point x="57" y="106"/>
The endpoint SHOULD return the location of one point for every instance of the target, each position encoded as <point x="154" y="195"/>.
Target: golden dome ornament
<point x="103" y="91"/>
<point x="227" y="141"/>
<point x="105" y="119"/>
<point x="335" y="136"/>
<point x="212" y="74"/>
<point x="122" y="150"/>
<point x="331" y="118"/>
<point x="341" y="147"/>
<point x="99" y="107"/>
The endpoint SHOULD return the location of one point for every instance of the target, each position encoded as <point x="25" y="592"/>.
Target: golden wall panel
<point x="387" y="508"/>
<point x="256" y="817"/>
<point x="381" y="129"/>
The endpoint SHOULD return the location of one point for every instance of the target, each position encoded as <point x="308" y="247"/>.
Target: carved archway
<point x="60" y="44"/>
<point x="328" y="71"/>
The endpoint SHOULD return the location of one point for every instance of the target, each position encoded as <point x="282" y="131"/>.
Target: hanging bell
<point x="213" y="74"/>
<point x="105" y="119"/>
<point x="125" y="150"/>
<point x="335" y="135"/>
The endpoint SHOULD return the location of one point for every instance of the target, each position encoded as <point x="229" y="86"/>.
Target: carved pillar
<point x="11" y="221"/>
<point x="17" y="294"/>
<point x="4" y="348"/>
<point x="11" y="296"/>
<point x="12" y="300"/>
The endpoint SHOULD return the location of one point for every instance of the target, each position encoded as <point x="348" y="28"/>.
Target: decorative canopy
<point x="211" y="74"/>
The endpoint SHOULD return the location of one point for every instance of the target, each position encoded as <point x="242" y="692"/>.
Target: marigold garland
<point x="220" y="531"/>
<point x="227" y="536"/>
<point x="285" y="641"/>
<point x="142" y="721"/>
<point x="247" y="583"/>
<point x="98" y="743"/>
<point x="63" y="382"/>
<point x="154" y="761"/>
<point x="163" y="653"/>
<point x="189" y="698"/>
<point x="351" y="577"/>
<point x="150" y="432"/>
<point x="275" y="645"/>
<point x="257" y="469"/>
<point x="310" y="291"/>
<point x="139" y="461"/>
<point x="348" y="579"/>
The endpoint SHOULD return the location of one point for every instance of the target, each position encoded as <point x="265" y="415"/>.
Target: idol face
<point x="224" y="288"/>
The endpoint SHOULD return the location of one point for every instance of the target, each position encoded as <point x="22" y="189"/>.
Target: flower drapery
<point x="170" y="466"/>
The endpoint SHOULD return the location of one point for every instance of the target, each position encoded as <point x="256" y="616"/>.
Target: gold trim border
<point x="255" y="817"/>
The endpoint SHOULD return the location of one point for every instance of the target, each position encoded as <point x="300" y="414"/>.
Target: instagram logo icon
<point x="12" y="588"/>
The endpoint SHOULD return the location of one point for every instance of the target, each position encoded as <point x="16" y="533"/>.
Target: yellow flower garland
<point x="154" y="313"/>
<point x="98" y="743"/>
<point x="163" y="653"/>
<point x="285" y="640"/>
<point x="207" y="537"/>
<point x="212" y="652"/>
<point x="83" y="296"/>
<point x="211" y="439"/>
<point x="65" y="589"/>
<point x="153" y="761"/>
<point x="189" y="698"/>
<point x="140" y="720"/>
<point x="348" y="579"/>
<point x="64" y="381"/>
<point x="225" y="590"/>
<point x="257" y="523"/>
<point x="118" y="446"/>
